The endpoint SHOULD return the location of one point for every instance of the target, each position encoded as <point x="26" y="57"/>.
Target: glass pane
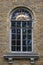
<point x="29" y="42"/>
<point x="29" y="48"/>
<point x="18" y="36"/>
<point x="23" y="24"/>
<point x="13" y="48"/>
<point x="29" y="31"/>
<point x="29" y="24"/>
<point x="13" y="30"/>
<point x="13" y="42"/>
<point x="13" y="36"/>
<point x="24" y="47"/>
<point x="24" y="36"/>
<point x="29" y="36"/>
<point x="18" y="45"/>
<point x="13" y="23"/>
<point x="18" y="42"/>
<point x="18" y="48"/>
<point x="24" y="30"/>
<point x="18" y="24"/>
<point x="24" y="42"/>
<point x="18" y="31"/>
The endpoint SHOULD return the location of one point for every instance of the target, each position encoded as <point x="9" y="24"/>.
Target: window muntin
<point x="21" y="33"/>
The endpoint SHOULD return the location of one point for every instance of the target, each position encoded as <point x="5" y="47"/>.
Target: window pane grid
<point x="26" y="34"/>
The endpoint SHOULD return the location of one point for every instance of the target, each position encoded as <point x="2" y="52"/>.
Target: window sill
<point x="15" y="56"/>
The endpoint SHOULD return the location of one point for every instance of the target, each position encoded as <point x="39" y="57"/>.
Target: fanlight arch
<point x="20" y="13"/>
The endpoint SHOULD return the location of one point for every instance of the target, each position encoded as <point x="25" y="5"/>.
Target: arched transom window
<point x="21" y="30"/>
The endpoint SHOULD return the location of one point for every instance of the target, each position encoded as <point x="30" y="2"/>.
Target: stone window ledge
<point x="15" y="56"/>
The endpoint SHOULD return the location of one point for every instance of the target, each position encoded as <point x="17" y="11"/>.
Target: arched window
<point x="21" y="30"/>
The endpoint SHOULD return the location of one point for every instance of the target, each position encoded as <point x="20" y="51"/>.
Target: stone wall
<point x="6" y="7"/>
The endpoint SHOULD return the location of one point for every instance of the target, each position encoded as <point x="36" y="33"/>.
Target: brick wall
<point x="5" y="7"/>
